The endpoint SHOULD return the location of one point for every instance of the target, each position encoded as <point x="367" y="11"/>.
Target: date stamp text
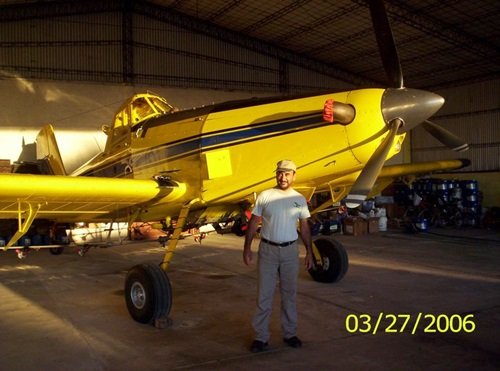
<point x="412" y="323"/>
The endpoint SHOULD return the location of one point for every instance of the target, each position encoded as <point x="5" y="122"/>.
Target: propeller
<point x="369" y="174"/>
<point x="450" y="140"/>
<point x="403" y="109"/>
<point x="386" y="44"/>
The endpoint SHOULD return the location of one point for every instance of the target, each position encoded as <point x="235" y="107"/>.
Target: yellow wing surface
<point x="340" y="186"/>
<point x="69" y="198"/>
<point x="26" y="197"/>
<point x="73" y="199"/>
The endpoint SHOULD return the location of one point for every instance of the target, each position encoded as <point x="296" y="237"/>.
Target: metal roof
<point x="441" y="43"/>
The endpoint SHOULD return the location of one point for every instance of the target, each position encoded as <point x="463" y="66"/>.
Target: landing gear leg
<point x="172" y="242"/>
<point x="148" y="293"/>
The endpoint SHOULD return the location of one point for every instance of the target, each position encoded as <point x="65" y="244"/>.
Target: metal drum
<point x="469" y="185"/>
<point x="470" y="201"/>
<point x="424" y="187"/>
<point x="441" y="189"/>
<point x="422" y="224"/>
<point x="470" y="194"/>
<point x="367" y="205"/>
<point x="456" y="191"/>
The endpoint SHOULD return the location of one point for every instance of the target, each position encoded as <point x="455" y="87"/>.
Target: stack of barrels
<point x="463" y="194"/>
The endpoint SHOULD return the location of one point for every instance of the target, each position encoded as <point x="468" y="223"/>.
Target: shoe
<point x="258" y="346"/>
<point x="293" y="342"/>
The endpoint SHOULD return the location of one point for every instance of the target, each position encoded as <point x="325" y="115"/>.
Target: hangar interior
<point x="73" y="63"/>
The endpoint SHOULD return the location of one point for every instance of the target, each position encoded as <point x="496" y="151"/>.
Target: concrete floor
<point x="68" y="313"/>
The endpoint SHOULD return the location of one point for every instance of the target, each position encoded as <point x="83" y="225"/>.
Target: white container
<point x="382" y="223"/>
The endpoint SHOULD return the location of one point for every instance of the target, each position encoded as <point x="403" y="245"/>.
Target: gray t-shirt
<point x="280" y="210"/>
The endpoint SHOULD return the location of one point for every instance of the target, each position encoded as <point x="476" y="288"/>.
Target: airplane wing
<point x="340" y="187"/>
<point x="72" y="199"/>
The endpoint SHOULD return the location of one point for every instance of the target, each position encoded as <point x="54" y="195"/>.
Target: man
<point x="279" y="208"/>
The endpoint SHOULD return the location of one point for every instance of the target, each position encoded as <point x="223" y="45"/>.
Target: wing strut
<point x="23" y="226"/>
<point x="172" y="242"/>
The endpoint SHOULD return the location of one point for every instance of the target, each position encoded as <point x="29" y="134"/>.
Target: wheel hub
<point x="138" y="295"/>
<point x="326" y="263"/>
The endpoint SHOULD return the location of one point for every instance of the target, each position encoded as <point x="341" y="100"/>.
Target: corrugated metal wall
<point x="83" y="47"/>
<point x="169" y="55"/>
<point x="473" y="113"/>
<point x="302" y="80"/>
<point x="97" y="47"/>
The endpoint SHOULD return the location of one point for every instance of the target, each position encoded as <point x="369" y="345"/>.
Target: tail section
<point x="48" y="151"/>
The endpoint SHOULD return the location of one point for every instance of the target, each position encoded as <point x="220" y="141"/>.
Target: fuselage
<point x="226" y="153"/>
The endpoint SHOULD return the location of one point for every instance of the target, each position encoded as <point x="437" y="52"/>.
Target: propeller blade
<point x="386" y="44"/>
<point x="450" y="140"/>
<point x="366" y="179"/>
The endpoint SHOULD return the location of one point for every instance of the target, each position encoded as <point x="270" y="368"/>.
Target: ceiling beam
<point x="42" y="10"/>
<point x="440" y="30"/>
<point x="200" y="26"/>
<point x="48" y="9"/>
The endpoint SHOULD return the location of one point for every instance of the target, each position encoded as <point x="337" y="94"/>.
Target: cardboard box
<point x="5" y="166"/>
<point x="355" y="226"/>
<point x="372" y="225"/>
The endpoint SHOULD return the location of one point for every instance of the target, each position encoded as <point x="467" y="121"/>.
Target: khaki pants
<point x="277" y="264"/>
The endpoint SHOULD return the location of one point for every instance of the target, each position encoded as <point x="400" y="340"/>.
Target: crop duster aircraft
<point x="207" y="165"/>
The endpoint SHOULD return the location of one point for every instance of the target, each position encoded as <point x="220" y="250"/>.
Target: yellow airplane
<point x="207" y="164"/>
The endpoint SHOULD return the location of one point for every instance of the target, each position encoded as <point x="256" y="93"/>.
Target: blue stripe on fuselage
<point x="225" y="139"/>
<point x="214" y="140"/>
<point x="257" y="132"/>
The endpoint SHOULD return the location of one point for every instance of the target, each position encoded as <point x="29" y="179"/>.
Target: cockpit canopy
<point x="134" y="111"/>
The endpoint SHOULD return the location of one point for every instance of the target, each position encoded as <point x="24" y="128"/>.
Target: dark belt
<point x="283" y="244"/>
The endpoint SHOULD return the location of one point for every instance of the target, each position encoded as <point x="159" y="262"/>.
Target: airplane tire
<point x="148" y="293"/>
<point x="334" y="258"/>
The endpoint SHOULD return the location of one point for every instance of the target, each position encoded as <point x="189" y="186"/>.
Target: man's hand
<point x="253" y="224"/>
<point x="305" y="233"/>
<point x="247" y="256"/>
<point x="309" y="261"/>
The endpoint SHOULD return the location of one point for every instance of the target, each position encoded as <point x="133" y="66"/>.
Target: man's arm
<point x="253" y="225"/>
<point x="305" y="234"/>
